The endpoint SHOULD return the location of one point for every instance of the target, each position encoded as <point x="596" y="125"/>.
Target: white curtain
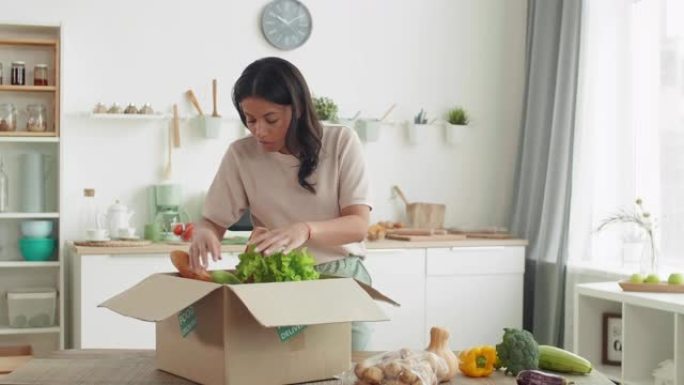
<point x="629" y="138"/>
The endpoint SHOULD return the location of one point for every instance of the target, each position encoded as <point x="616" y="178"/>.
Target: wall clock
<point x="286" y="24"/>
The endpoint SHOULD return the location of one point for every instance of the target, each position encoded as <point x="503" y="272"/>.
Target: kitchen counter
<point x="162" y="248"/>
<point x="126" y="367"/>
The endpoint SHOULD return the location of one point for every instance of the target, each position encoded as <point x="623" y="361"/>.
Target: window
<point x="629" y="139"/>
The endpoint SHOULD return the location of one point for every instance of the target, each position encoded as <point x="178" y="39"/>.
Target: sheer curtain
<point x="629" y="138"/>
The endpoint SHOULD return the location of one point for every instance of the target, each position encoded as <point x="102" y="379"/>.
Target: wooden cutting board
<point x="427" y="238"/>
<point x="651" y="287"/>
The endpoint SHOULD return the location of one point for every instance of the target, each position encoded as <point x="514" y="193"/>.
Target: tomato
<point x="187" y="234"/>
<point x="178" y="229"/>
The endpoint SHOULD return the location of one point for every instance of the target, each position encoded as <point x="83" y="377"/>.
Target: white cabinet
<point x="100" y="277"/>
<point x="651" y="331"/>
<point x="475" y="292"/>
<point x="399" y="273"/>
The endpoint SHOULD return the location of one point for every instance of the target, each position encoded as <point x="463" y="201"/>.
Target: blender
<point x="166" y="211"/>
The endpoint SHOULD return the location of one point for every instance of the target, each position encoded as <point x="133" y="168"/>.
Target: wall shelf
<point x="28" y="134"/>
<point x="28" y="264"/>
<point x="30" y="42"/>
<point x="29" y="139"/>
<point x="29" y="215"/>
<point x="6" y="330"/>
<point x="107" y="116"/>
<point x="27" y="88"/>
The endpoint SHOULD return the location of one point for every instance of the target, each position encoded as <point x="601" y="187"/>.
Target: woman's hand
<point x="284" y="239"/>
<point x="204" y="242"/>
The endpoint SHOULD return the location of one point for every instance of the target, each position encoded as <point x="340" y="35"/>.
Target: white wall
<point x="365" y="54"/>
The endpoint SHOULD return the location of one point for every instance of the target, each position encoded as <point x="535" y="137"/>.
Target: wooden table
<point x="136" y="367"/>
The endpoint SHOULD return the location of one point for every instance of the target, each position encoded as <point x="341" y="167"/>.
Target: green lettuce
<point x="297" y="265"/>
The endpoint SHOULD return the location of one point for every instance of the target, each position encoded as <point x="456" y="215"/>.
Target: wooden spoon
<point x="176" y="127"/>
<point x="213" y="94"/>
<point x="193" y="100"/>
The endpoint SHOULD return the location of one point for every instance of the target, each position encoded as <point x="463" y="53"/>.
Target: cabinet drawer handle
<point x="382" y="251"/>
<point x="477" y="248"/>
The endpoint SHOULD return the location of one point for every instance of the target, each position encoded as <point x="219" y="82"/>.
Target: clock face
<point x="286" y="24"/>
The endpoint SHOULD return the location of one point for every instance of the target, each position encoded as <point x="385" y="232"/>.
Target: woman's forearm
<point x="339" y="231"/>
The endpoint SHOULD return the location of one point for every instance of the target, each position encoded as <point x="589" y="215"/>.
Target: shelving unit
<point x="34" y="45"/>
<point x="652" y="330"/>
<point x="28" y="264"/>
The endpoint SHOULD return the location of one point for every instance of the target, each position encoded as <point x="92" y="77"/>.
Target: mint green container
<point x="37" y="249"/>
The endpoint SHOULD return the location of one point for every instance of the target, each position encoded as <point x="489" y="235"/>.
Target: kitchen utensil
<point x="37" y="249"/>
<point x="356" y="115"/>
<point x="426" y="238"/>
<point x="37" y="118"/>
<point x="411" y="231"/>
<point x="193" y="99"/>
<point x="388" y="112"/>
<point x="168" y="171"/>
<point x="117" y="217"/>
<point x="117" y="243"/>
<point x="213" y="97"/>
<point x="97" y="235"/>
<point x="176" y="127"/>
<point x="36" y="228"/>
<point x="423" y="215"/>
<point x="33" y="175"/>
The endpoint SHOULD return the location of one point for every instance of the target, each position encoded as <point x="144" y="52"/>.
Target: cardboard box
<point x="229" y="334"/>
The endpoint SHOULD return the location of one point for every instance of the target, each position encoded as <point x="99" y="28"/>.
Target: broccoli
<point x="518" y="351"/>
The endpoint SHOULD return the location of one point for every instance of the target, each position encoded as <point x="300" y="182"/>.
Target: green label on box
<point x="187" y="320"/>
<point x="287" y="332"/>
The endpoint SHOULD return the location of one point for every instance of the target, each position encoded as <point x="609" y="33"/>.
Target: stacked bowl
<point x="36" y="243"/>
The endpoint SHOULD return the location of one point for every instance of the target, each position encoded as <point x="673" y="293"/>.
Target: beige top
<point x="266" y="183"/>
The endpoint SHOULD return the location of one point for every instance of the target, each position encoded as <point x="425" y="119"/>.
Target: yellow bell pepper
<point x="477" y="361"/>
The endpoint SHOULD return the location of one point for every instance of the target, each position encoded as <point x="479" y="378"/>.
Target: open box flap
<point x="308" y="302"/>
<point x="159" y="296"/>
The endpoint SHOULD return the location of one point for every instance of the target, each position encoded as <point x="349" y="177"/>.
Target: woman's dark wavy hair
<point x="279" y="81"/>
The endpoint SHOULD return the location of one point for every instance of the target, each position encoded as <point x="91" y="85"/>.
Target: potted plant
<point x="456" y="126"/>
<point x="413" y="129"/>
<point x="326" y="109"/>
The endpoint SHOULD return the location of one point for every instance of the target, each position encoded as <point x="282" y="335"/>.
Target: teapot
<point x="117" y="217"/>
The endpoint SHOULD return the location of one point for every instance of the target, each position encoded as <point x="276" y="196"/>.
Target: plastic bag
<point x="398" y="367"/>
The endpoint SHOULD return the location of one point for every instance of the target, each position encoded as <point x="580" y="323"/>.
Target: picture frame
<point x="611" y="341"/>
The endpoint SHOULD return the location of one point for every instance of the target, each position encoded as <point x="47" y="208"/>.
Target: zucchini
<point x="559" y="360"/>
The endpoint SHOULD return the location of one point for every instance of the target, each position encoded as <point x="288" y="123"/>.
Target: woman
<point x="304" y="184"/>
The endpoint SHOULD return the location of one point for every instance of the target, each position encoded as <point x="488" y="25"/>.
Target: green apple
<point x="224" y="277"/>
<point x="652" y="278"/>
<point x="676" y="279"/>
<point x="636" y="278"/>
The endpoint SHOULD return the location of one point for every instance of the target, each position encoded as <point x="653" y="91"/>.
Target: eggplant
<point x="537" y="377"/>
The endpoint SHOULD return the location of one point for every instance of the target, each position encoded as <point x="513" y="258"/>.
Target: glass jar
<point x="40" y="75"/>
<point x="8" y="117"/>
<point x="37" y="118"/>
<point x="18" y="73"/>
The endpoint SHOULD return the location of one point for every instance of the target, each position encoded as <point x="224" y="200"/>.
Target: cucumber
<point x="559" y="360"/>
